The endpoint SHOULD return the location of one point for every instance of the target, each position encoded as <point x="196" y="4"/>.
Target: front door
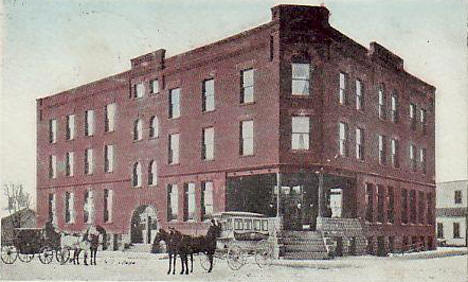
<point x="336" y="202"/>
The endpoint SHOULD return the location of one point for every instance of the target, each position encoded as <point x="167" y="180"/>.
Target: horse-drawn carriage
<point x="243" y="234"/>
<point x="28" y="242"/>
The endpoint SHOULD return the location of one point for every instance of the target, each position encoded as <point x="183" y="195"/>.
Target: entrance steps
<point x="303" y="245"/>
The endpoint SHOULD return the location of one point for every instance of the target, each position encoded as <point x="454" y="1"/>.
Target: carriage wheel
<point x="25" y="257"/>
<point x="205" y="261"/>
<point x="263" y="256"/>
<point x="235" y="257"/>
<point x="62" y="254"/>
<point x="9" y="254"/>
<point x="46" y="255"/>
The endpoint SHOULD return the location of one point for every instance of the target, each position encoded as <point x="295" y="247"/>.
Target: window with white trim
<point x="154" y="127"/>
<point x="394" y="151"/>
<point x="343" y="139"/>
<point x="412" y="115"/>
<point x="69" y="164"/>
<point x="89" y="123"/>
<point x="52" y="131"/>
<point x="52" y="166"/>
<point x="208" y="143"/>
<point x="108" y="200"/>
<point x="139" y="89"/>
<point x="137" y="130"/>
<point x="382" y="108"/>
<point x="247" y="86"/>
<point x="412" y="157"/>
<point x="70" y="134"/>
<point x="189" y="202"/>
<point x="300" y="79"/>
<point x="69" y="207"/>
<point x="172" y="202"/>
<point x="152" y="173"/>
<point x="382" y="150"/>
<point x="173" y="150"/>
<point x="109" y="121"/>
<point x="246" y="138"/>
<point x="300" y="127"/>
<point x="88" y="207"/>
<point x="154" y="86"/>
<point x="422" y="159"/>
<point x="108" y="158"/>
<point x="89" y="161"/>
<point x="136" y="174"/>
<point x="359" y="95"/>
<point x="208" y="95"/>
<point x="343" y="85"/>
<point x="359" y="143"/>
<point x="207" y="200"/>
<point x="174" y="103"/>
<point x="394" y="105"/>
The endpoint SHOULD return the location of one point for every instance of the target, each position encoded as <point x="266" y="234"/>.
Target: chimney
<point x="301" y="17"/>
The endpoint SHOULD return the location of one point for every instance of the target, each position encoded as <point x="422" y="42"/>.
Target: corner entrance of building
<point x="144" y="225"/>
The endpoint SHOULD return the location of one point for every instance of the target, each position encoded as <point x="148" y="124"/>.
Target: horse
<point x="73" y="242"/>
<point x="172" y="242"/>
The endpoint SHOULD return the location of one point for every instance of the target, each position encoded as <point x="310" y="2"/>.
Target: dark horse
<point x="172" y="242"/>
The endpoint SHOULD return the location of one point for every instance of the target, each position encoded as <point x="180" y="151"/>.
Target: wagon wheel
<point x="235" y="257"/>
<point x="263" y="255"/>
<point x="205" y="261"/>
<point x="62" y="254"/>
<point x="9" y="254"/>
<point x="46" y="255"/>
<point x="25" y="257"/>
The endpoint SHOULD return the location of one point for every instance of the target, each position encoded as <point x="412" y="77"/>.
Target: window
<point x="52" y="131"/>
<point x="137" y="130"/>
<point x="359" y="95"/>
<point x="109" y="121"/>
<point x="69" y="207"/>
<point x="456" y="230"/>
<point x="343" y="139"/>
<point x="391" y="205"/>
<point x="412" y="116"/>
<point x="247" y="86"/>
<point x="89" y="161"/>
<point x="412" y="202"/>
<point x="172" y="202"/>
<point x="380" y="204"/>
<point x="404" y="206"/>
<point x="52" y="166"/>
<point x="136" y="175"/>
<point x="300" y="79"/>
<point x="208" y="143"/>
<point x="382" y="151"/>
<point x="246" y="138"/>
<point x="153" y="173"/>
<point x="174" y="103"/>
<point x="369" y="202"/>
<point x="154" y="127"/>
<point x="381" y="102"/>
<point x="70" y="127"/>
<point x="108" y="198"/>
<point x="108" y="158"/>
<point x="173" y="152"/>
<point x="189" y="201"/>
<point x="88" y="208"/>
<point x="89" y="123"/>
<point x="395" y="158"/>
<point x="207" y="200"/>
<point x="69" y="164"/>
<point x="394" y="116"/>
<point x="412" y="157"/>
<point x="360" y="144"/>
<point x="139" y="90"/>
<point x="458" y="197"/>
<point x="422" y="114"/>
<point x="422" y="159"/>
<point x="300" y="133"/>
<point x="440" y="230"/>
<point x="52" y="208"/>
<point x="421" y="207"/>
<point x="154" y="86"/>
<point x="343" y="85"/>
<point x="208" y="96"/>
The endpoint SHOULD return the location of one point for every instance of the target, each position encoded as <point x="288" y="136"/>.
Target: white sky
<point x="51" y="46"/>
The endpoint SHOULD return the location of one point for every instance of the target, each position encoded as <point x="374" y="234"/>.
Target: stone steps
<point x="302" y="245"/>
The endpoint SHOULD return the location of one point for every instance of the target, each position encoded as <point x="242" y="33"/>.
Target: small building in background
<point x="25" y="218"/>
<point x="452" y="212"/>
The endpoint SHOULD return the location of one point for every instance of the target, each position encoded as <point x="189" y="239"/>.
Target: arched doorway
<point x="143" y="225"/>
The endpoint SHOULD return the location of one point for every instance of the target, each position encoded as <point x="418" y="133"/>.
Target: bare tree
<point x="18" y="199"/>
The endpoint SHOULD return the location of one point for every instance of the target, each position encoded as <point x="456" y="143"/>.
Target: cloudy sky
<point x="51" y="46"/>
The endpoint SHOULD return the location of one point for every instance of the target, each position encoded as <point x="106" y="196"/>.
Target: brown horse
<point x="172" y="242"/>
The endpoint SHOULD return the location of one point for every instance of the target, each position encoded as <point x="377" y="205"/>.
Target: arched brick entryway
<point x="143" y="224"/>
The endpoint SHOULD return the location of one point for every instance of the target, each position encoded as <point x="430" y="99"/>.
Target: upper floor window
<point x="208" y="96"/>
<point x="136" y="175"/>
<point x="174" y="103"/>
<point x="52" y="208"/>
<point x="412" y="115"/>
<point x="247" y="87"/>
<point x="394" y="116"/>
<point x="172" y="202"/>
<point x="153" y="173"/>
<point x="359" y="95"/>
<point x="69" y="164"/>
<point x="207" y="200"/>
<point x="300" y="79"/>
<point x="300" y="133"/>
<point x="208" y="143"/>
<point x="381" y="102"/>
<point x="422" y="114"/>
<point x="173" y="152"/>
<point x="70" y="135"/>
<point x="154" y="86"/>
<point x="89" y="123"/>
<point x="422" y="159"/>
<point x="246" y="138"/>
<point x="343" y="139"/>
<point x="154" y="127"/>
<point x="395" y="157"/>
<point x="139" y="90"/>
<point x="137" y="130"/>
<point x="343" y="86"/>
<point x="69" y="207"/>
<point x="109" y="121"/>
<point x="382" y="153"/>
<point x="108" y="201"/>
<point x="359" y="143"/>
<point x="52" y="166"/>
<point x="88" y="207"/>
<point x="412" y="156"/>
<point x="108" y="158"/>
<point x="89" y="161"/>
<point x="458" y="197"/>
<point x="52" y="130"/>
<point x="189" y="201"/>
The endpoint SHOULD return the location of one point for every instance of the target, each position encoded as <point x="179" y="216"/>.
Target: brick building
<point x="292" y="103"/>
